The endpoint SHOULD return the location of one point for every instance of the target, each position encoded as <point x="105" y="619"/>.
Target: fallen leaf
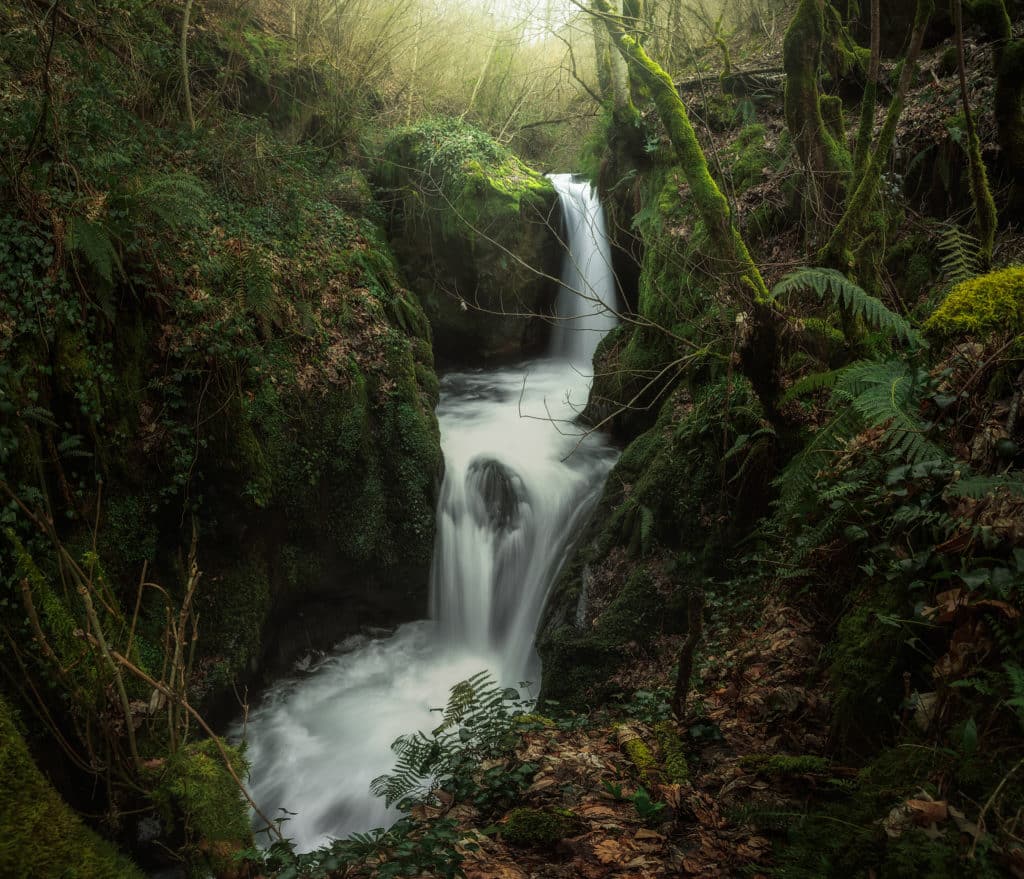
<point x="928" y="811"/>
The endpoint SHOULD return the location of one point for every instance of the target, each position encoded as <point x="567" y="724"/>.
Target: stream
<point x="520" y="480"/>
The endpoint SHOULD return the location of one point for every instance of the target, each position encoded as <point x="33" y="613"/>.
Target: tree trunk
<point x="742" y="275"/>
<point x="836" y="251"/>
<point x="185" y="84"/>
<point x="981" y="193"/>
<point x="820" y="151"/>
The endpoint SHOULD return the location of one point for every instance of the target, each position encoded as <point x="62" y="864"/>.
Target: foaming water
<point x="520" y="480"/>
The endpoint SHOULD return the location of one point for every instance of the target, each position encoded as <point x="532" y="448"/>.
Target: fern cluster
<point x="478" y="724"/>
<point x="835" y="288"/>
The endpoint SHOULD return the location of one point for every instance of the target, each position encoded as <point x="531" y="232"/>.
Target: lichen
<point x="539" y="828"/>
<point x="984" y="306"/>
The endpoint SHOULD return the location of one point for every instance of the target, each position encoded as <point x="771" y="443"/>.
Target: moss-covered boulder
<point x="670" y="506"/>
<point x="40" y="836"/>
<point x="981" y="307"/>
<point x="477" y="232"/>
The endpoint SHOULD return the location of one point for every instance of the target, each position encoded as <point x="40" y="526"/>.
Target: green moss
<point x="197" y="788"/>
<point x="535" y="720"/>
<point x="989" y="15"/>
<point x="642" y="758"/>
<point x="784" y="764"/>
<point x="40" y="836"/>
<point x="471" y="220"/>
<point x="673" y="755"/>
<point x="812" y="121"/>
<point x="233" y="604"/>
<point x="539" y="828"/>
<point x="984" y="306"/>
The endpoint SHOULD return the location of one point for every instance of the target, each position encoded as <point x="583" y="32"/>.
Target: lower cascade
<point x="520" y="480"/>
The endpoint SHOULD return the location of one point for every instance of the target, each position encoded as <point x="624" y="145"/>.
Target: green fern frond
<point x="92" y="241"/>
<point x="175" y="199"/>
<point x="885" y="394"/>
<point x="815" y="381"/>
<point x="978" y="487"/>
<point x="836" y="288"/>
<point x="798" y="477"/>
<point x="960" y="253"/>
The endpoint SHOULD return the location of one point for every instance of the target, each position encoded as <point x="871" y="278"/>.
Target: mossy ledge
<point x="478" y="232"/>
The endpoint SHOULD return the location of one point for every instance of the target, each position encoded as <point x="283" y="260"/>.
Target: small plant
<point x="649" y="706"/>
<point x="614" y="790"/>
<point x="648" y="810"/>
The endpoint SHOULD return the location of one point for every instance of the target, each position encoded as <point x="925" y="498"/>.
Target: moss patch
<point x="39" y="834"/>
<point x="197" y="787"/>
<point x="539" y="828"/>
<point x="984" y="306"/>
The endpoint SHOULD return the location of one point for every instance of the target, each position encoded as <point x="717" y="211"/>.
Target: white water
<point x="520" y="480"/>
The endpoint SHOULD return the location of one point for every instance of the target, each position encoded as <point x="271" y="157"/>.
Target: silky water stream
<point x="520" y="480"/>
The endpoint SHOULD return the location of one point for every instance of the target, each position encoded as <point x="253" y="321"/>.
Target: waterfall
<point x="521" y="478"/>
<point x="587" y="299"/>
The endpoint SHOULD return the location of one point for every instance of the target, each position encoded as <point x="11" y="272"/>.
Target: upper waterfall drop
<point x="587" y="302"/>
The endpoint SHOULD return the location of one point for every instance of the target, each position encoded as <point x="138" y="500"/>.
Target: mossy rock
<point x="982" y="307"/>
<point x="477" y="233"/>
<point x="674" y="476"/>
<point x="539" y="828"/>
<point x="197" y="789"/>
<point x="40" y="836"/>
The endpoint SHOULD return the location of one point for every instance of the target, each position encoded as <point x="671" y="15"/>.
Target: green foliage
<point x="478" y="724"/>
<point x="407" y="848"/>
<point x="196" y="785"/>
<point x="868" y="395"/>
<point x="647" y="809"/>
<point x="834" y="286"/>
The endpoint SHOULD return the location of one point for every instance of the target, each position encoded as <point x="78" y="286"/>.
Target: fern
<point x="1015" y="678"/>
<point x="886" y="394"/>
<point x="477" y="724"/>
<point x="798" y="477"/>
<point x="174" y="199"/>
<point x="815" y="381"/>
<point x="835" y="287"/>
<point x="869" y="394"/>
<point x="93" y="242"/>
<point x="960" y="253"/>
<point x="978" y="487"/>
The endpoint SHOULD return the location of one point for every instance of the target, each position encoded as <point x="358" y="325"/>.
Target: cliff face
<point x="203" y="335"/>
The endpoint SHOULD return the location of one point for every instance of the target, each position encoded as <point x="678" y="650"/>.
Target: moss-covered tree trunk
<point x="836" y="252"/>
<point x="740" y="275"/>
<point x="984" y="206"/>
<point x="818" y="144"/>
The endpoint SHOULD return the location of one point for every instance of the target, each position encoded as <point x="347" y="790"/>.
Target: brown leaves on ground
<point x="757" y="694"/>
